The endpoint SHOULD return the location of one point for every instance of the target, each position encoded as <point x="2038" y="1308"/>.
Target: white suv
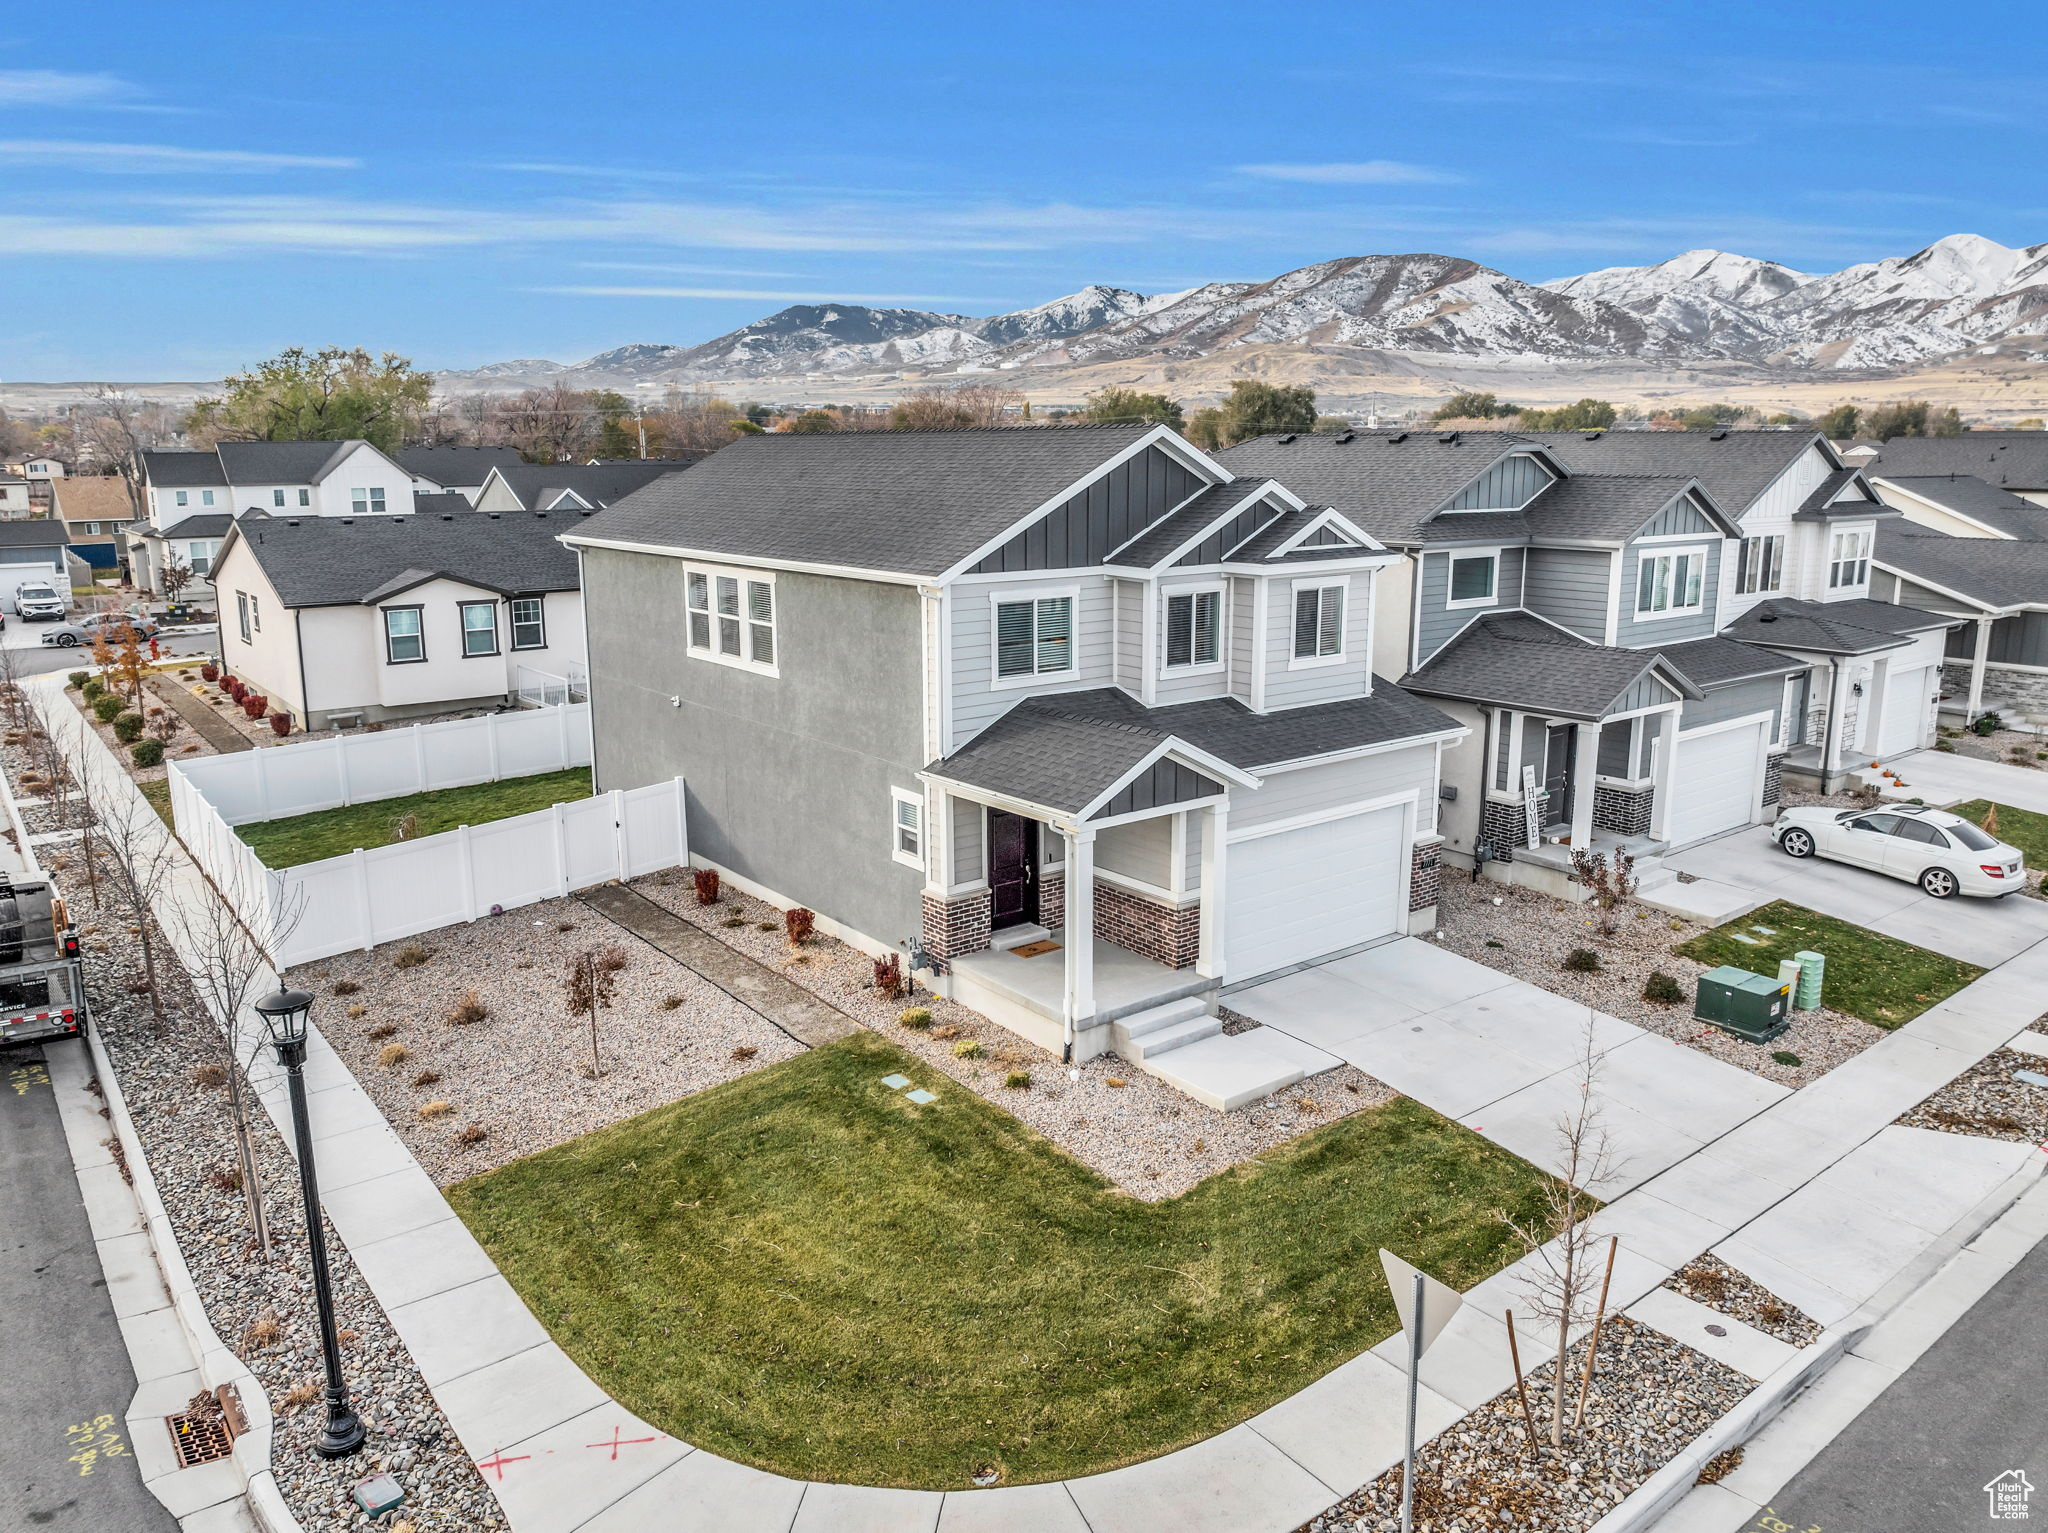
<point x="36" y="603"/>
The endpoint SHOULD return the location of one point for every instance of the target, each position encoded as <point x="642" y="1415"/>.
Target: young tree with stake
<point x="589" y="984"/>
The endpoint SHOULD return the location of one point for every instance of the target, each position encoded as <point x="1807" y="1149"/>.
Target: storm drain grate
<point x="204" y="1430"/>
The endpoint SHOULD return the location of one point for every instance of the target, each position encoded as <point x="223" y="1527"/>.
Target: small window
<point x="1472" y="579"/>
<point x="1760" y="565"/>
<point x="907" y="827"/>
<point x="277" y="497"/>
<point x="242" y="614"/>
<point x="403" y="641"/>
<point x="479" y="628"/>
<point x="206" y="497"/>
<point x="1670" y="584"/>
<point x="255" y="614"/>
<point x="698" y="601"/>
<point x="200" y="557"/>
<point x="1319" y="623"/>
<point x="305" y="497"/>
<point x="1849" y="561"/>
<point x="184" y="498"/>
<point x="760" y="622"/>
<point x="728" y="588"/>
<point x="367" y="502"/>
<point x="1035" y="638"/>
<point x="529" y="628"/>
<point x="1194" y="623"/>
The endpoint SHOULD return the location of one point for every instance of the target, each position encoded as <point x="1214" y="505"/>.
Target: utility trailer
<point x="42" y="984"/>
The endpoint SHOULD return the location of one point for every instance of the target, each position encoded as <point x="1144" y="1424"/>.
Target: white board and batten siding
<point x="1770" y="515"/>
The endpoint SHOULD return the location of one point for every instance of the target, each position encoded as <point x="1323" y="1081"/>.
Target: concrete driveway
<point x="1942" y="779"/>
<point x="1986" y="932"/>
<point x="1502" y="1057"/>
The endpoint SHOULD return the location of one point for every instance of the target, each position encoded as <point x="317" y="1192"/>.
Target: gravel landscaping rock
<point x="1987" y="1102"/>
<point x="1651" y="1396"/>
<point x="1132" y="1127"/>
<point x="1528" y="934"/>
<point x="520" y="1072"/>
<point x="1710" y="1281"/>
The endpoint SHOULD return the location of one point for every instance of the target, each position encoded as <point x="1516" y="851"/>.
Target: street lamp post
<point x="284" y="1014"/>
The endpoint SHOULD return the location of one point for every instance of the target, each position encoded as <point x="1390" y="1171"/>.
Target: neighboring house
<point x="15" y="502"/>
<point x="192" y="541"/>
<point x="349" y="478"/>
<point x="955" y="691"/>
<point x="2009" y="460"/>
<point x="36" y="467"/>
<point x="94" y="509"/>
<point x="453" y="470"/>
<point x="1571" y="602"/>
<point x="345" y="620"/>
<point x="570" y="486"/>
<point x="40" y="549"/>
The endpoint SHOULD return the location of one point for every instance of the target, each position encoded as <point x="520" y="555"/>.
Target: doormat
<point x="1034" y="949"/>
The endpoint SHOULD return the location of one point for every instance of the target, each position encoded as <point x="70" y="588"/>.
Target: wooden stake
<point x="1521" y="1389"/>
<point x="1593" y="1342"/>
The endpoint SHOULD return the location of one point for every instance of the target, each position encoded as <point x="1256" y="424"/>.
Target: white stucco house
<point x="346" y="620"/>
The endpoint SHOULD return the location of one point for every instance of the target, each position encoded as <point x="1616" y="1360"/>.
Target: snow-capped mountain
<point x="1702" y="306"/>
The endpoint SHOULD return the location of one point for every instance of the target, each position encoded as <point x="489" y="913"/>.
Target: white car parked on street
<point x="1941" y="852"/>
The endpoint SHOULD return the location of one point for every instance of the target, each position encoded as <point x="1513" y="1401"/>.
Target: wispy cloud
<point x="56" y="87"/>
<point x="156" y="159"/>
<point x="757" y="294"/>
<point x="1351" y="173"/>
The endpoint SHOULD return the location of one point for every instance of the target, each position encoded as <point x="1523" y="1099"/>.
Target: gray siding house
<point x="1077" y="693"/>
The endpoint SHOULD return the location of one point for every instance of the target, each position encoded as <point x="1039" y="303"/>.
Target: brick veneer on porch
<point x="1166" y="934"/>
<point x="956" y="926"/>
<point x="1052" y="902"/>
<point x="1425" y="874"/>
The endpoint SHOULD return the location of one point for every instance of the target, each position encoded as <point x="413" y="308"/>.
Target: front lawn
<point x="805" y="1271"/>
<point x="337" y="832"/>
<point x="1880" y="979"/>
<point x="2017" y="827"/>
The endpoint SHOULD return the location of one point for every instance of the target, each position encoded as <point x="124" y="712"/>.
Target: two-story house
<point x="453" y="470"/>
<point x="1081" y="717"/>
<point x="570" y="486"/>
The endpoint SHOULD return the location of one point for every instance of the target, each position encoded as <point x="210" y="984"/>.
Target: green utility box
<point x="1748" y="1005"/>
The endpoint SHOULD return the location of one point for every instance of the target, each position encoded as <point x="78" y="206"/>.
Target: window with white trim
<point x="255" y="614"/>
<point x="305" y="497"/>
<point x="1670" y="584"/>
<point x="479" y="628"/>
<point x="1849" y="560"/>
<point x="1194" y="629"/>
<point x="183" y="497"/>
<point x="1473" y="581"/>
<point x="1319" y="622"/>
<point x="367" y="502"/>
<point x="1760" y="565"/>
<point x="206" y="497"/>
<point x="906" y="828"/>
<point x="1034" y="637"/>
<point x="277" y="497"/>
<point x="730" y="618"/>
<point x="529" y="623"/>
<point x="199" y="556"/>
<point x="242" y="614"/>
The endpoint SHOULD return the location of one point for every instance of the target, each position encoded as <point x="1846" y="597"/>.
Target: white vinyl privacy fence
<point x="376" y="894"/>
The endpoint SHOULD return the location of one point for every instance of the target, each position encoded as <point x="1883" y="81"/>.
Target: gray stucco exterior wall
<point x="1569" y="586"/>
<point x="786" y="777"/>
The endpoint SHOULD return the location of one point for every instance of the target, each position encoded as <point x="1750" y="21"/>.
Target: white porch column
<point x="1209" y="943"/>
<point x="1585" y="766"/>
<point x="1665" y="755"/>
<point x="1079" y="935"/>
<point x="938" y="840"/>
<point x="1978" y="656"/>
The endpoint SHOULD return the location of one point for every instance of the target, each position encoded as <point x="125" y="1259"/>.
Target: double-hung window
<point x="277" y="497"/>
<point x="242" y="614"/>
<point x="1318" y="623"/>
<point x="1849" y="560"/>
<point x="305" y="497"/>
<point x="1669" y="584"/>
<point x="184" y="497"/>
<point x="1474" y="578"/>
<point x="731" y="618"/>
<point x="206" y="497"/>
<point x="1034" y="637"/>
<point x="1760" y="565"/>
<point x="1194" y="628"/>
<point x="199" y="556"/>
<point x="367" y="502"/>
<point x="404" y="642"/>
<point x="906" y="827"/>
<point x="529" y="625"/>
<point x="479" y="628"/>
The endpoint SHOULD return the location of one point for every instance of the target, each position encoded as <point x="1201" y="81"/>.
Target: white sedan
<point x="1941" y="852"/>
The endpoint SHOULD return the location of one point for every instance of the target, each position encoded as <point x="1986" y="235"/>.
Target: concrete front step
<point x="1165" y="1040"/>
<point x="1226" y="1071"/>
<point x="1017" y="936"/>
<point x="1158" y="1018"/>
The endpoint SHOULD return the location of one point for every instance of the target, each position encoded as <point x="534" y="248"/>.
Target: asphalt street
<point x="65" y="1460"/>
<point x="1966" y="1416"/>
<point x="35" y="658"/>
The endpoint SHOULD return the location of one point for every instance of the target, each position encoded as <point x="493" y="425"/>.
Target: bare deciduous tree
<point x="967" y="404"/>
<point x="589" y="986"/>
<point x="117" y="432"/>
<point x="1609" y="881"/>
<point x="137" y="855"/>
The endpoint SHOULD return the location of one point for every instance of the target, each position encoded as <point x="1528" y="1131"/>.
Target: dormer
<point x="1508" y="485"/>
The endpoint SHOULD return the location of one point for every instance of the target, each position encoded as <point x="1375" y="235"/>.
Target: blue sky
<point x="191" y="188"/>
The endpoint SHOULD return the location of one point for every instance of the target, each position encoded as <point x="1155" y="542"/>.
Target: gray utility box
<point x="1748" y="1005"/>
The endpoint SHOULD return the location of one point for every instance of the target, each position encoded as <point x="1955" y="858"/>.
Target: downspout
<point x="305" y="692"/>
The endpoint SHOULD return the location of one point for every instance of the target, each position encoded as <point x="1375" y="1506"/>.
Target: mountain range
<point x="1702" y="307"/>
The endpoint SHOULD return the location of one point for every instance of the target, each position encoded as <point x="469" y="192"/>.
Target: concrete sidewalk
<point x="1944" y="779"/>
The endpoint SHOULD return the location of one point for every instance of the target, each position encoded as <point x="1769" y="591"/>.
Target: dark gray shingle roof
<point x="1167" y="534"/>
<point x="1716" y="662"/>
<point x="322" y="561"/>
<point x="538" y="484"/>
<point x="175" y="469"/>
<point x="455" y="465"/>
<point x="1967" y="495"/>
<point x="1826" y="628"/>
<point x="1041" y="755"/>
<point x="1604" y="507"/>
<point x="207" y="524"/>
<point x="904" y="502"/>
<point x="1995" y="572"/>
<point x="1388" y="482"/>
<point x="2016" y="460"/>
<point x="38" y="533"/>
<point x="281" y="462"/>
<point x="1735" y="466"/>
<point x="1520" y="661"/>
<point x="430" y="503"/>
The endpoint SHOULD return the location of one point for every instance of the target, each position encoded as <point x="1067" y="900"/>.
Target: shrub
<point x="393" y="1054"/>
<point x="107" y="707"/>
<point x="1946" y="747"/>
<point x="1787" y="1058"/>
<point x="671" y="1002"/>
<point x="209" y="1076"/>
<point x="128" y="728"/>
<point x="798" y="923"/>
<point x="967" y="1048"/>
<point x="732" y="921"/>
<point x="254" y="704"/>
<point x="889" y="976"/>
<point x="916" y="1018"/>
<point x="1663" y="989"/>
<point x="745" y="1051"/>
<point x="1582" y="960"/>
<point x="357" y="1012"/>
<point x="280" y="724"/>
<point x="346" y="987"/>
<point x="467" y="1010"/>
<point x="147" y="753"/>
<point x="380" y="1032"/>
<point x="472" y="1133"/>
<point x="706" y="882"/>
<point x="1018" y="1080"/>
<point x="209" y="673"/>
<point x="426" y="1078"/>
<point x="93" y="689"/>
<point x="79" y="679"/>
<point x="411" y="956"/>
<point x="1986" y="724"/>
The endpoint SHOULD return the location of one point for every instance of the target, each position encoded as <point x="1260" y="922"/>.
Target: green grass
<point x="804" y="1271"/>
<point x="159" y="795"/>
<point x="1880" y="979"/>
<point x="337" y="832"/>
<point x="2017" y="827"/>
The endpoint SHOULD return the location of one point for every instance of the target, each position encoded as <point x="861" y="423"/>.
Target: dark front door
<point x="1012" y="869"/>
<point x="1557" y="774"/>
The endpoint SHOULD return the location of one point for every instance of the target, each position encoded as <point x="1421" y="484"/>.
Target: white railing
<point x="544" y="689"/>
<point x="378" y="894"/>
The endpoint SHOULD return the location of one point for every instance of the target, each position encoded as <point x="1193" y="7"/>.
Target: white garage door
<point x="1908" y="704"/>
<point x="1302" y="894"/>
<point x="1715" y="782"/>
